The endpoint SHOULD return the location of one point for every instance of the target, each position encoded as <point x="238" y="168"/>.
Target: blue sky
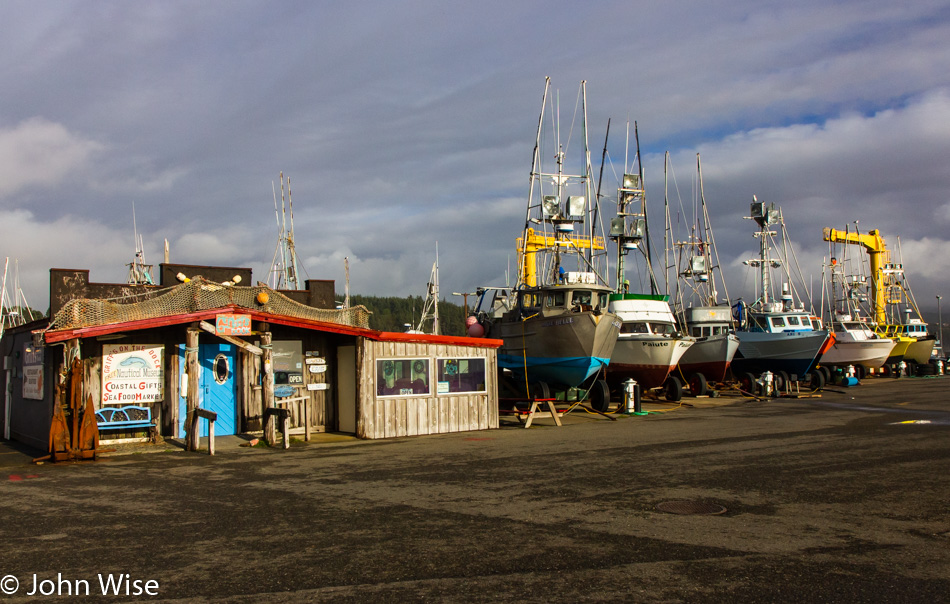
<point x="403" y="124"/>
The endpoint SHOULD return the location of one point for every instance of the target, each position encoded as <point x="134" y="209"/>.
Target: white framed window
<point x="403" y="377"/>
<point x="463" y="374"/>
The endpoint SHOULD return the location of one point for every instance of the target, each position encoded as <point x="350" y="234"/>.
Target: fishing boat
<point x="650" y="344"/>
<point x="556" y="328"/>
<point x="892" y="302"/>
<point x="775" y="336"/>
<point x="855" y="344"/>
<point x="696" y="297"/>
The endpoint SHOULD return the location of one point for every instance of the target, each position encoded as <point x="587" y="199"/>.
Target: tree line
<point x="393" y="313"/>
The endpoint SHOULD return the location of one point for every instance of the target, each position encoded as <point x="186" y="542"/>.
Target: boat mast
<point x="764" y="217"/>
<point x="527" y="268"/>
<point x="549" y="233"/>
<point x="667" y="252"/>
<point x="654" y="288"/>
<point x="139" y="272"/>
<point x="293" y="276"/>
<point x="285" y="272"/>
<point x="710" y="244"/>
<point x="3" y="296"/>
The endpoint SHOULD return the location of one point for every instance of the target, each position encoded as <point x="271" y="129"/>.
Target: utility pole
<point x="465" y="296"/>
<point x="940" y="323"/>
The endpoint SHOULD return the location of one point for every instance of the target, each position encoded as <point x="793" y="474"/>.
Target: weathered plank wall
<point x="433" y="413"/>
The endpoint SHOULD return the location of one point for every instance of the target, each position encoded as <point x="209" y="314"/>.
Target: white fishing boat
<point x="696" y="300"/>
<point x="893" y="310"/>
<point x="650" y="344"/>
<point x="856" y="344"/>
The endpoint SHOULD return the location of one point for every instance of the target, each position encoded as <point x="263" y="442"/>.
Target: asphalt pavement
<point x="839" y="498"/>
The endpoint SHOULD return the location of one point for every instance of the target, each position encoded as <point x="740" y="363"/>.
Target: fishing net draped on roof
<point x="197" y="295"/>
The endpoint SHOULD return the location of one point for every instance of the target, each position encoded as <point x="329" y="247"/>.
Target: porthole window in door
<point x="222" y="369"/>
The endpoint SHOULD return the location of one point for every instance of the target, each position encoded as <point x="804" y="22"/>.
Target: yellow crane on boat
<point x="886" y="289"/>
<point x="879" y="257"/>
<point x="534" y="242"/>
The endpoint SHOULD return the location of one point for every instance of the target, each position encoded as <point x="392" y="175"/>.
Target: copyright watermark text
<point x="113" y="584"/>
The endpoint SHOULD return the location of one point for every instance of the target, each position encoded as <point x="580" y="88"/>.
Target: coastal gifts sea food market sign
<point x="132" y="373"/>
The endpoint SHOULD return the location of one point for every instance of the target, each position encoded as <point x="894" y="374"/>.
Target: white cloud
<point x="40" y="153"/>
<point x="66" y="242"/>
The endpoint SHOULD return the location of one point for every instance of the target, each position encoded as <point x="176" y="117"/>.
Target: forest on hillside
<point x="392" y="313"/>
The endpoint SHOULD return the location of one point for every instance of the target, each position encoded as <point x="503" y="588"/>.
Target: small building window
<point x="402" y="377"/>
<point x="461" y="375"/>
<point x="222" y="370"/>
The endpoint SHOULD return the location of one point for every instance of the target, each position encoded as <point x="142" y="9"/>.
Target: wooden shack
<point x="239" y="351"/>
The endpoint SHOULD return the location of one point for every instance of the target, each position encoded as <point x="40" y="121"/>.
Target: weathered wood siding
<point x="434" y="413"/>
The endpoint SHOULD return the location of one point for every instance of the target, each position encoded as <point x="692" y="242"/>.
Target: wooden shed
<point x="241" y="350"/>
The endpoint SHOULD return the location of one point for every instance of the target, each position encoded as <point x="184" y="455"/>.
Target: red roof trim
<point x="382" y="336"/>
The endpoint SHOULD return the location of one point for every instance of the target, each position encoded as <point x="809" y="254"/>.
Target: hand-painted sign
<point x="132" y="373"/>
<point x="232" y="325"/>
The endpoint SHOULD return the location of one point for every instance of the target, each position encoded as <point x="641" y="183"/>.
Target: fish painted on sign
<point x="137" y="362"/>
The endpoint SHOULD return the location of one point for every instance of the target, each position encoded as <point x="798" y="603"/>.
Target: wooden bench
<point x="126" y="418"/>
<point x="536" y="408"/>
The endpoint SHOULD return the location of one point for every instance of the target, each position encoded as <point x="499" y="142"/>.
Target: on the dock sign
<point x="232" y="325"/>
<point x="132" y="373"/>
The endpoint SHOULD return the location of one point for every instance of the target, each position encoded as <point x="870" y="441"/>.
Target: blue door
<point x="217" y="388"/>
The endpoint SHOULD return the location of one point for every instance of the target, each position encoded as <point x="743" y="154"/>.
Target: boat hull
<point x="869" y="353"/>
<point x="793" y="352"/>
<point x="562" y="350"/>
<point x="899" y="351"/>
<point x="920" y="350"/>
<point x="711" y="356"/>
<point x="646" y="358"/>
